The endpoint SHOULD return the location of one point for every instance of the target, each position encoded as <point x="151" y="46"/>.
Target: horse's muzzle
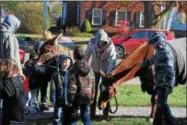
<point x="102" y="105"/>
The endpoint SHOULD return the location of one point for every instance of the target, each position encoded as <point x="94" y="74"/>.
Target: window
<point x="121" y="15"/>
<point x="140" y="35"/>
<point x="141" y="23"/>
<point x="78" y="14"/>
<point x="97" y="16"/>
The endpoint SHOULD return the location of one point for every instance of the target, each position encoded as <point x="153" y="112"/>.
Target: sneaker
<point x="44" y="106"/>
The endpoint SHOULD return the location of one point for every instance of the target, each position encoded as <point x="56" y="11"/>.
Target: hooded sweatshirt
<point x="9" y="47"/>
<point x="102" y="58"/>
<point x="81" y="87"/>
<point x="59" y="84"/>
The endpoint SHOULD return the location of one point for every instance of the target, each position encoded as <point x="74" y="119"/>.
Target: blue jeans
<point x="85" y="115"/>
<point x="57" y="115"/>
<point x="163" y="109"/>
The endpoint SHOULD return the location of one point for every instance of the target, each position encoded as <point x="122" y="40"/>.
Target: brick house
<point x="104" y="13"/>
<point x="107" y="14"/>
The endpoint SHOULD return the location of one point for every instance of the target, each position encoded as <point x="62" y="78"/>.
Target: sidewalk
<point x="122" y="111"/>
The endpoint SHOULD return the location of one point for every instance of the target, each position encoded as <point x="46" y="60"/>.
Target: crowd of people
<point x="73" y="85"/>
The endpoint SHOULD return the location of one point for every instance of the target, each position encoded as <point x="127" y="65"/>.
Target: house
<point x="178" y="26"/>
<point x="107" y="14"/>
<point x="103" y="13"/>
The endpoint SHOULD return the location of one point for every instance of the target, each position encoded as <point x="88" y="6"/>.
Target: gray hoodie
<point x="9" y="47"/>
<point x="102" y="58"/>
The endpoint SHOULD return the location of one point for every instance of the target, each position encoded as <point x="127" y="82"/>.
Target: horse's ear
<point x="58" y="38"/>
<point x="102" y="73"/>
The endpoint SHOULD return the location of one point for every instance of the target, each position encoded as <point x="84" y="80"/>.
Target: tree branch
<point x="160" y="16"/>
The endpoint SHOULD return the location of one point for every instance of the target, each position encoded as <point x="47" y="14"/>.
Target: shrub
<point x="72" y="30"/>
<point x="31" y="16"/>
<point x="75" y="32"/>
<point x="86" y="26"/>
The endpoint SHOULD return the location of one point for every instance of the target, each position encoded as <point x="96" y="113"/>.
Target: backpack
<point x="85" y="88"/>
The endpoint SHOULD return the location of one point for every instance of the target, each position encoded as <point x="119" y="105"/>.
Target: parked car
<point x="66" y="41"/>
<point x="126" y="43"/>
<point x="22" y="56"/>
<point x="23" y="44"/>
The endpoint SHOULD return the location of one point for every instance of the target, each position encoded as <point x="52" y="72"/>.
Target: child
<point x="58" y="90"/>
<point x="29" y="72"/>
<point x="163" y="61"/>
<point x="80" y="88"/>
<point x="12" y="94"/>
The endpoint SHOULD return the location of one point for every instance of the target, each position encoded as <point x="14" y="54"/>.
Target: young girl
<point x="12" y="93"/>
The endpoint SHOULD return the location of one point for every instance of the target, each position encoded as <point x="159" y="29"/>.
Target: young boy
<point x="81" y="88"/>
<point x="58" y="91"/>
<point x="163" y="61"/>
<point x="12" y="94"/>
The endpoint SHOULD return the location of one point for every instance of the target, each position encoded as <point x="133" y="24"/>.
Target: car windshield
<point x="141" y="34"/>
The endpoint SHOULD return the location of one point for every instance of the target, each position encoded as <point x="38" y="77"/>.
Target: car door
<point x="136" y="39"/>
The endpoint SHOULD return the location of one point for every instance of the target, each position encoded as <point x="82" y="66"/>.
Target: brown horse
<point x="51" y="48"/>
<point x="129" y="69"/>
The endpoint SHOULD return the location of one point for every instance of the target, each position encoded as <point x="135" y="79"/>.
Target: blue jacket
<point x="59" y="84"/>
<point x="163" y="61"/>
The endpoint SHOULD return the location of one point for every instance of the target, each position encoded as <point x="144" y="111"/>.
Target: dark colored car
<point x="23" y="44"/>
<point x="126" y="43"/>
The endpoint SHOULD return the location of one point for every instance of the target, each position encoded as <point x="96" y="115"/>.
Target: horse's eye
<point x="103" y="88"/>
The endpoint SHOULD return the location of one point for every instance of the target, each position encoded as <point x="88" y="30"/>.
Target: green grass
<point x="117" y="121"/>
<point x="131" y="95"/>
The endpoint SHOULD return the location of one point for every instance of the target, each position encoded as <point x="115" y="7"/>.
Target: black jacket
<point x="13" y="105"/>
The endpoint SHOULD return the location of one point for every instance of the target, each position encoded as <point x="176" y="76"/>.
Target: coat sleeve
<point x="149" y="61"/>
<point x="52" y="89"/>
<point x="89" y="49"/>
<point x="9" y="88"/>
<point x="112" y="60"/>
<point x="12" y="51"/>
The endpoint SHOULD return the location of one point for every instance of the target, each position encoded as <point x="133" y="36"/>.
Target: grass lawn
<point x="131" y="95"/>
<point x="117" y="121"/>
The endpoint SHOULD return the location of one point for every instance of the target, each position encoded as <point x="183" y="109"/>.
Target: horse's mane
<point x="129" y="63"/>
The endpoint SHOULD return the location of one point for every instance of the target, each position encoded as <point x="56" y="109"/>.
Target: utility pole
<point x="0" y="11"/>
<point x="45" y="15"/>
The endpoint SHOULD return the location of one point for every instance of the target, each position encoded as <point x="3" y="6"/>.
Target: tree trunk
<point x="148" y="14"/>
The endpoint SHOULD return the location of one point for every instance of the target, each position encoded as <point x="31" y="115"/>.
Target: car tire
<point x="120" y="52"/>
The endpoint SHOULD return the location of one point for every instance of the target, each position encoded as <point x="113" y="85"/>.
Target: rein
<point x="110" y="109"/>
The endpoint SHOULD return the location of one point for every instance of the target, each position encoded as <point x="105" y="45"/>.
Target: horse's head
<point x="50" y="42"/>
<point x="125" y="71"/>
<point x="107" y="91"/>
<point x="51" y="48"/>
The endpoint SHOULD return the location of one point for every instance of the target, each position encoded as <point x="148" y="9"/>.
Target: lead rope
<point x="109" y="106"/>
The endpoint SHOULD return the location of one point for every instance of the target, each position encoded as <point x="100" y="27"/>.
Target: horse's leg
<point x="153" y="108"/>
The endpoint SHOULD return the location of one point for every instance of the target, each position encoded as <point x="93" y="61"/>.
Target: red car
<point x="126" y="43"/>
<point x="22" y="56"/>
